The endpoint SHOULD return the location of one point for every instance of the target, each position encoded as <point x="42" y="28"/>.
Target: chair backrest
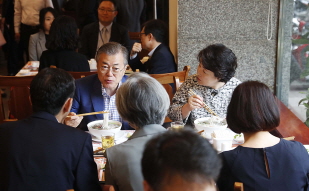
<point x="238" y="186"/>
<point x="107" y="187"/>
<point x="175" y="78"/>
<point x="19" y="103"/>
<point x="78" y="75"/>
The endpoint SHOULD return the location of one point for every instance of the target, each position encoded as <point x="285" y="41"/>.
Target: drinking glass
<point x="177" y="125"/>
<point x="108" y="140"/>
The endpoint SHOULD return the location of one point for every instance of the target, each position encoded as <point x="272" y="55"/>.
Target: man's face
<point x="111" y="69"/>
<point x="106" y="12"/>
<point x="144" y="39"/>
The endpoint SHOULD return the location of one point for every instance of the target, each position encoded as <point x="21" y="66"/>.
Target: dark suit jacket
<point x="161" y="61"/>
<point x="38" y="153"/>
<point x="88" y="98"/>
<point x="89" y="38"/>
<point x="131" y="13"/>
<point x="68" y="60"/>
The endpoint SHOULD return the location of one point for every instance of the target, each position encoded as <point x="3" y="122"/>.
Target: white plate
<point x="118" y="136"/>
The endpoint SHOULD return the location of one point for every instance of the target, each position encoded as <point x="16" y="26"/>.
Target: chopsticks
<point x="191" y="93"/>
<point x="91" y="113"/>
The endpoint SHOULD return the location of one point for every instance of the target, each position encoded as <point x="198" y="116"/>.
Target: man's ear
<point x="67" y="105"/>
<point x="147" y="187"/>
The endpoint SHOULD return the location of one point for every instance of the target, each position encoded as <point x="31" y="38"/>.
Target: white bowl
<point x="98" y="132"/>
<point x="204" y="124"/>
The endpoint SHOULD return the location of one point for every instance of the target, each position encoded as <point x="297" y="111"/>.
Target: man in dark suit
<point x="161" y="59"/>
<point x="94" y="35"/>
<point x="97" y="92"/>
<point x="40" y="153"/>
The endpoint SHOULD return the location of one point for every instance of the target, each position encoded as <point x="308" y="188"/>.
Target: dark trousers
<point x="11" y="50"/>
<point x="25" y="32"/>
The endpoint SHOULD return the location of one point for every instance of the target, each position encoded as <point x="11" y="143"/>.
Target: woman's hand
<point x="194" y="102"/>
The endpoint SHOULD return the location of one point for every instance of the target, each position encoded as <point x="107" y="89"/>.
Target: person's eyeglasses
<point x="140" y="34"/>
<point x="106" y="10"/>
<point x="115" y="70"/>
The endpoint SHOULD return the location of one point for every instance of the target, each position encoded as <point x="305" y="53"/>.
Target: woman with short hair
<point x="263" y="161"/>
<point x="61" y="47"/>
<point x="214" y="84"/>
<point x="143" y="102"/>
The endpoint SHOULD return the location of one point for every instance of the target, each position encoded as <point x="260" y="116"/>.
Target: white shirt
<point x="27" y="12"/>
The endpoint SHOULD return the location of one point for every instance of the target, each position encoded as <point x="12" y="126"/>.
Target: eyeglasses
<point x="115" y="70"/>
<point x="106" y="10"/>
<point x="140" y="34"/>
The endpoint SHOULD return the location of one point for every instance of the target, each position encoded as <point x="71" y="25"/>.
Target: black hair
<point x="253" y="107"/>
<point x="63" y="34"/>
<point x="220" y="60"/>
<point x="157" y="28"/>
<point x="113" y="1"/>
<point x="50" y="88"/>
<point x="43" y="13"/>
<point x="184" y="153"/>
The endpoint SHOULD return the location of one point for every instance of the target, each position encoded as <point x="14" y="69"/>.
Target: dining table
<point x="120" y="137"/>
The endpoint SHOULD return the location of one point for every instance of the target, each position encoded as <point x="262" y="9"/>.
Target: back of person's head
<point x="183" y="154"/>
<point x="49" y="90"/>
<point x="43" y="13"/>
<point x="63" y="34"/>
<point x="112" y="1"/>
<point x="253" y="107"/>
<point x="157" y="28"/>
<point x="113" y="48"/>
<point x="142" y="100"/>
<point x="220" y="60"/>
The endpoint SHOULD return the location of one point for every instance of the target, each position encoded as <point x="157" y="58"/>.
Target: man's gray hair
<point x="142" y="100"/>
<point x="112" y="48"/>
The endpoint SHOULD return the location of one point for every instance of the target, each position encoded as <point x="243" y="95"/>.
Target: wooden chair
<point x="19" y="103"/>
<point x="175" y="78"/>
<point x="238" y="186"/>
<point x="78" y="75"/>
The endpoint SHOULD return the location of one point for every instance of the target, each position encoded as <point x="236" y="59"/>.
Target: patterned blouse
<point x="217" y="100"/>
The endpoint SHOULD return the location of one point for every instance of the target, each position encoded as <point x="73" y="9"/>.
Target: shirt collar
<point x="109" y="27"/>
<point x="104" y="91"/>
<point x="151" y="52"/>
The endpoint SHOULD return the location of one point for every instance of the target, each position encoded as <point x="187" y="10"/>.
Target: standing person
<point x="97" y="92"/>
<point x="37" y="41"/>
<point x="146" y="112"/>
<point x="214" y="84"/>
<point x="131" y="13"/>
<point x="263" y="161"/>
<point x="96" y="34"/>
<point x="40" y="153"/>
<point x="61" y="45"/>
<point x="11" y="48"/>
<point x="26" y="21"/>
<point x="179" y="161"/>
<point x="153" y="37"/>
<point x="87" y="12"/>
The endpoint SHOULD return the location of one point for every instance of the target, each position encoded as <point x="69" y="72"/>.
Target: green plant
<point x="305" y="102"/>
